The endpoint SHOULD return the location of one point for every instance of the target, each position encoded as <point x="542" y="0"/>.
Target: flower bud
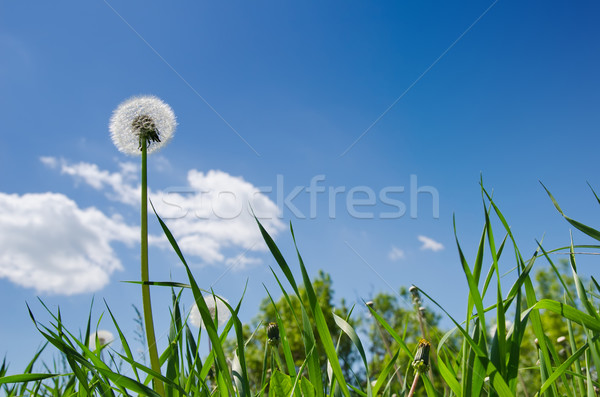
<point x="421" y="361"/>
<point x="273" y="334"/>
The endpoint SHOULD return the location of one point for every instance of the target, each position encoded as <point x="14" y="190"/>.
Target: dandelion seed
<point x="216" y="307"/>
<point x="143" y="120"/>
<point x="101" y="338"/>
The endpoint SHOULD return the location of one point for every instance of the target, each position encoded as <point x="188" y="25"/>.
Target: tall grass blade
<point x="308" y="338"/>
<point x="285" y="345"/>
<point x="562" y="369"/>
<point x="321" y="324"/>
<point x="568" y="312"/>
<point x="384" y="373"/>
<point x="496" y="379"/>
<point x="530" y="297"/>
<point x="314" y="368"/>
<point x="590" y="231"/>
<point x="221" y="361"/>
<point x="123" y="340"/>
<point x="25" y="378"/>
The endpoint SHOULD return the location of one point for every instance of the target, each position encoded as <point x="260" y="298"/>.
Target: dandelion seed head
<point x="216" y="307"/>
<point x="142" y="120"/>
<point x="102" y="337"/>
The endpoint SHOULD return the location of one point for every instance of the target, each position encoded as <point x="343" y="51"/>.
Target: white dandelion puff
<point x="215" y="307"/>
<point x="101" y="338"/>
<point x="142" y="120"/>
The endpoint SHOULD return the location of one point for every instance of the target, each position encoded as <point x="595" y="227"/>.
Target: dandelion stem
<point x="149" y="322"/>
<point x="414" y="384"/>
<point x="263" y="378"/>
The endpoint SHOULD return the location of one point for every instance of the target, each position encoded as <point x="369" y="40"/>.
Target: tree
<point x="255" y="347"/>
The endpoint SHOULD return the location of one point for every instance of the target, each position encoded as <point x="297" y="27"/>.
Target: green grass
<point x="466" y="360"/>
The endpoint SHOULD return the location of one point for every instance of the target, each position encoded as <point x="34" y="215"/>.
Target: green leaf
<point x="474" y="296"/>
<point x="307" y="389"/>
<point x="310" y="346"/>
<point x="590" y="231"/>
<point x="278" y="257"/>
<point x="280" y="385"/>
<point x="563" y="368"/>
<point x="392" y="333"/>
<point x="25" y="378"/>
<point x="384" y="373"/>
<point x="124" y="343"/>
<point x="568" y="312"/>
<point x="348" y="330"/>
<point x="449" y="377"/>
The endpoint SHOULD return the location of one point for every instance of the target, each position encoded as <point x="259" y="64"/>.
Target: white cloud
<point x="120" y="183"/>
<point x="51" y="162"/>
<point x="50" y="244"/>
<point x="209" y="217"/>
<point x="430" y="244"/>
<point x="213" y="213"/>
<point x="396" y="254"/>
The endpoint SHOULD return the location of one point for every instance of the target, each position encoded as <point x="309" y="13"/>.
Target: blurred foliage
<point x="255" y="347"/>
<point x="402" y="313"/>
<point x="555" y="327"/>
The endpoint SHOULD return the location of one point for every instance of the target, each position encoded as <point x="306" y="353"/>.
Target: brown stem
<point x="414" y="385"/>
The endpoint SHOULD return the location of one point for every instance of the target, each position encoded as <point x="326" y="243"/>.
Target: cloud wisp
<point x="121" y="186"/>
<point x="396" y="254"/>
<point x="430" y="244"/>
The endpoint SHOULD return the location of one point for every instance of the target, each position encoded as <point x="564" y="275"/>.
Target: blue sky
<point x="361" y="98"/>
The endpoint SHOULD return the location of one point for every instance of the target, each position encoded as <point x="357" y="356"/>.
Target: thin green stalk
<point x="277" y="356"/>
<point x="276" y="359"/>
<point x="389" y="352"/>
<point x="149" y="323"/>
<point x="577" y="365"/>
<point x="263" y="378"/>
<point x="272" y="360"/>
